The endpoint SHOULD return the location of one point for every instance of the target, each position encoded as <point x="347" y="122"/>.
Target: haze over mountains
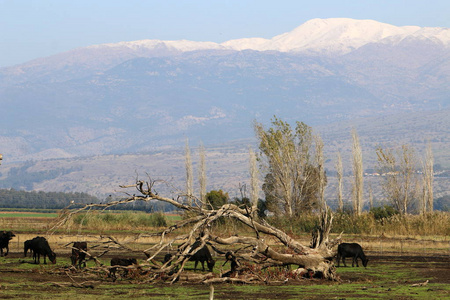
<point x="148" y="95"/>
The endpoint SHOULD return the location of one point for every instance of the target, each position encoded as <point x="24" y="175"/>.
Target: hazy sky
<point x="37" y="28"/>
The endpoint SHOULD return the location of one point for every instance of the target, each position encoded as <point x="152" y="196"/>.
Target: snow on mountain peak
<point x="339" y="35"/>
<point x="180" y="45"/>
<point x="324" y="36"/>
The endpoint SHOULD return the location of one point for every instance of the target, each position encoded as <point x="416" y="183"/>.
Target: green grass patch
<point x="387" y="280"/>
<point x="27" y="215"/>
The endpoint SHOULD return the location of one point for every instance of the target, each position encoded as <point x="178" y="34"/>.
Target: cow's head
<point x="8" y="235"/>
<point x="365" y="261"/>
<point x="211" y="263"/>
<point x="52" y="257"/>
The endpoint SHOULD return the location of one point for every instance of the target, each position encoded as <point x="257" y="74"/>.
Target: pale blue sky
<point x="37" y="28"/>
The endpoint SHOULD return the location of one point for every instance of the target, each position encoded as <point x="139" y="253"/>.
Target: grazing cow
<point x="79" y="250"/>
<point x="351" y="250"/>
<point x="40" y="246"/>
<point x="5" y="237"/>
<point x="202" y="255"/>
<point x="117" y="261"/>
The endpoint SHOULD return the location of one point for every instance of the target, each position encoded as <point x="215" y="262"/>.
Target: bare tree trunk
<point x="189" y="174"/>
<point x="340" y="174"/>
<point x="253" y="181"/>
<point x="320" y="165"/>
<point x="358" y="174"/>
<point x="429" y="176"/>
<point x="202" y="176"/>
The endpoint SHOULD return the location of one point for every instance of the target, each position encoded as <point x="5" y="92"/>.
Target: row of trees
<point x="10" y="198"/>
<point x="294" y="178"/>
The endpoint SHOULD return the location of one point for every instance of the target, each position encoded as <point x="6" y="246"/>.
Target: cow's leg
<point x="7" y="250"/>
<point x="203" y="265"/>
<point x="338" y="260"/>
<point x="74" y="260"/>
<point x="195" y="266"/>
<point x="356" y="261"/>
<point x="343" y="261"/>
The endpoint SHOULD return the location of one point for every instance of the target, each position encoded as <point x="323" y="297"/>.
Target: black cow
<point x="351" y="250"/>
<point x="5" y="237"/>
<point x="40" y="246"/>
<point x="117" y="261"/>
<point x="27" y="247"/>
<point x="202" y="255"/>
<point x="78" y="256"/>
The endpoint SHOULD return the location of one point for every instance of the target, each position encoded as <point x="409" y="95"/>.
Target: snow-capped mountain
<point x="333" y="36"/>
<point x="142" y="95"/>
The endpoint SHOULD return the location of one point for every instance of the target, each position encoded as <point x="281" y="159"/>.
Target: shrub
<point x="383" y="212"/>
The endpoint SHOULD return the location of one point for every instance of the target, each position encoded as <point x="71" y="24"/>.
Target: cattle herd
<point x="39" y="246"/>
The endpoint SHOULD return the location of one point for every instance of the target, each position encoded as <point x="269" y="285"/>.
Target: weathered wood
<point x="315" y="259"/>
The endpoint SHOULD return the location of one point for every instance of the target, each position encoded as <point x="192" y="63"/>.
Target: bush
<point x="383" y="212"/>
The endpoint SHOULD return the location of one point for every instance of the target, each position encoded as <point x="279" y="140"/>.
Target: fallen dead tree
<point x="254" y="249"/>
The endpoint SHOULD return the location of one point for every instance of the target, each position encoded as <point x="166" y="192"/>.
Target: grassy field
<point x="27" y="215"/>
<point x="396" y="264"/>
<point x="390" y="277"/>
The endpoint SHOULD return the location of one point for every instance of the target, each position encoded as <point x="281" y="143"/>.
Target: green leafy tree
<point x="216" y="198"/>
<point x="293" y="179"/>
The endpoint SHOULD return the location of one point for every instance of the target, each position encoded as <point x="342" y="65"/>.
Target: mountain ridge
<point x="111" y="99"/>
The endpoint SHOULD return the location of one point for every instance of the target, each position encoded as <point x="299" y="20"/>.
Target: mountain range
<point x="150" y="95"/>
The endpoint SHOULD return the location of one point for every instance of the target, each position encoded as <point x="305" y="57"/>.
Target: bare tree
<point x="189" y="174"/>
<point x="428" y="175"/>
<point x="253" y="181"/>
<point x="199" y="229"/>
<point x="340" y="175"/>
<point x="358" y="183"/>
<point x="399" y="173"/>
<point x="202" y="176"/>
<point x="321" y="171"/>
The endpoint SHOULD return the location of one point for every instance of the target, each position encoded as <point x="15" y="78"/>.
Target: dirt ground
<point x="29" y="279"/>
